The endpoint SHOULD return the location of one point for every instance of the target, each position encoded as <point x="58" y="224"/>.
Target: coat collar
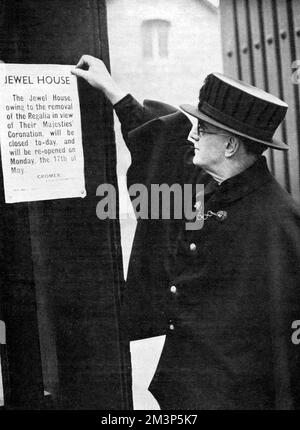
<point x="244" y="183"/>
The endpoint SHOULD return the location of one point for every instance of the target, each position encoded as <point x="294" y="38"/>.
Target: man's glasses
<point x="202" y="131"/>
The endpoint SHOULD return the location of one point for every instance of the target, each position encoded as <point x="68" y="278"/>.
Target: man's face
<point x="209" y="142"/>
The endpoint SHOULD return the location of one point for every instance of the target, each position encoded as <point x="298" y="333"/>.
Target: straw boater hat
<point x="240" y="108"/>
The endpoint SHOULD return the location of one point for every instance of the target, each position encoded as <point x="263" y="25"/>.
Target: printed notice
<point x="40" y="132"/>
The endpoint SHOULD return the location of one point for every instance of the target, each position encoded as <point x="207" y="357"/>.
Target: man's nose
<point x="194" y="135"/>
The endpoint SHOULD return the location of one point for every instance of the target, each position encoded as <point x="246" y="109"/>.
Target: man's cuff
<point x="123" y="102"/>
<point x="130" y="112"/>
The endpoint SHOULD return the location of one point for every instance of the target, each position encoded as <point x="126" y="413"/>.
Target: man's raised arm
<point x="96" y="74"/>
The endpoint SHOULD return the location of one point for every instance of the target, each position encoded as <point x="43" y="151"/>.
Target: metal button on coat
<point x="193" y="247"/>
<point x="222" y="215"/>
<point x="173" y="289"/>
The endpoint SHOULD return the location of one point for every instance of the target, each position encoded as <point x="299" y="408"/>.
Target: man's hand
<point x="96" y="74"/>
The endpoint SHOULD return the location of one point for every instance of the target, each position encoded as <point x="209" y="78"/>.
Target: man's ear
<point x="232" y="145"/>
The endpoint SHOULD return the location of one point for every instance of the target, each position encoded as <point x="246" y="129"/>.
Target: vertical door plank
<point x="243" y="34"/>
<point x="295" y="12"/>
<point x="229" y="41"/>
<point x="259" y="58"/>
<point x="274" y="77"/>
<point x="289" y="95"/>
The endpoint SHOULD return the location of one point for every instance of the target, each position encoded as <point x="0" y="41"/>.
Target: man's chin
<point x="196" y="161"/>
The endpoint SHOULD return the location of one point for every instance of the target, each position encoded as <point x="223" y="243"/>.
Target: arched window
<point x="155" y="34"/>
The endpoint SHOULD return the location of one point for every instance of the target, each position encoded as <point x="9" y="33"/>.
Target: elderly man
<point x="226" y="295"/>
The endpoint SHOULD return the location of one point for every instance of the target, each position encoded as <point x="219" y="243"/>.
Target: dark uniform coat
<point x="225" y="295"/>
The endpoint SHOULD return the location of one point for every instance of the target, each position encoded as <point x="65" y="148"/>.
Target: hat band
<point x="237" y="125"/>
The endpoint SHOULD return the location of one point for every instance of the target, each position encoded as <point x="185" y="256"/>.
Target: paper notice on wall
<point x="40" y="132"/>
